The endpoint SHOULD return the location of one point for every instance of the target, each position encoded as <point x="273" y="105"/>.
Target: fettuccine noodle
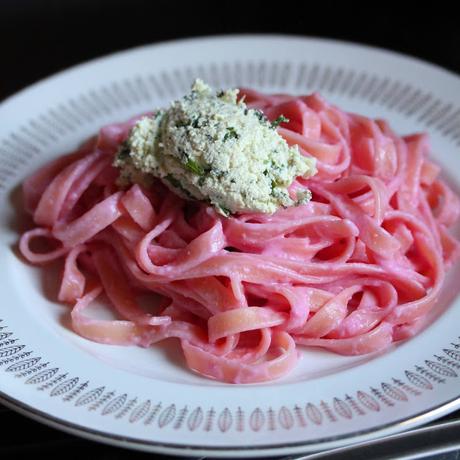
<point x="353" y="270"/>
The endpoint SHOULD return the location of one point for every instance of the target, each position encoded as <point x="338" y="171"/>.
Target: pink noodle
<point x="139" y="207"/>
<point x="73" y="281"/>
<point x="354" y="270"/>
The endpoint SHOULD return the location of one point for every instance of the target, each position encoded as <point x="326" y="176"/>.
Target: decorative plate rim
<point x="223" y="451"/>
<point x="272" y="449"/>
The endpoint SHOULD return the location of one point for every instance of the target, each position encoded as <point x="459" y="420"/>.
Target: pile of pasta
<point x="353" y="270"/>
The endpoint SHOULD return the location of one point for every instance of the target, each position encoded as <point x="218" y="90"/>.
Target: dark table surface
<point x="40" y="37"/>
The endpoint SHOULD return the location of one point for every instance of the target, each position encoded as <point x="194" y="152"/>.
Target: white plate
<point x="147" y="399"/>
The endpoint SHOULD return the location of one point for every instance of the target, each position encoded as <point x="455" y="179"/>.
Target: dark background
<point x="38" y="38"/>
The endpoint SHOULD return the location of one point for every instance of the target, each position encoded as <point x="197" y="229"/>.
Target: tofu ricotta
<point x="209" y="146"/>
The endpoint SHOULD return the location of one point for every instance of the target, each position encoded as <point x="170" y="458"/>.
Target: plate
<point x="147" y="399"/>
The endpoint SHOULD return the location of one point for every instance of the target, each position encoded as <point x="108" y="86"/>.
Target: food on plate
<point x="209" y="146"/>
<point x="262" y="224"/>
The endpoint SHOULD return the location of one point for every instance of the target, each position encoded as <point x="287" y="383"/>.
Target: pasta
<point x="353" y="270"/>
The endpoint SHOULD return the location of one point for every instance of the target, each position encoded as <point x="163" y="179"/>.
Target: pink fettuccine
<point x="354" y="270"/>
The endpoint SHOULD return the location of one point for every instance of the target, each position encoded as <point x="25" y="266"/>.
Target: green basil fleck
<point x="182" y="123"/>
<point x="124" y="152"/>
<point x="231" y="134"/>
<point x="194" y="167"/>
<point x="262" y="118"/>
<point x="278" y="121"/>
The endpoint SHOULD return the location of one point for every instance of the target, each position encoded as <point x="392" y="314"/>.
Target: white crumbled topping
<point x="208" y="146"/>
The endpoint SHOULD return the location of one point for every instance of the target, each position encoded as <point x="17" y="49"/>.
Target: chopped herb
<point x="182" y="123"/>
<point x="222" y="210"/>
<point x="195" y="123"/>
<point x="183" y="155"/>
<point x="220" y="94"/>
<point x="231" y="134"/>
<point x="262" y="118"/>
<point x="278" y="121"/>
<point x="124" y="152"/>
<point x="246" y="111"/>
<point x="173" y="181"/>
<point x="195" y="167"/>
<point x="275" y="166"/>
